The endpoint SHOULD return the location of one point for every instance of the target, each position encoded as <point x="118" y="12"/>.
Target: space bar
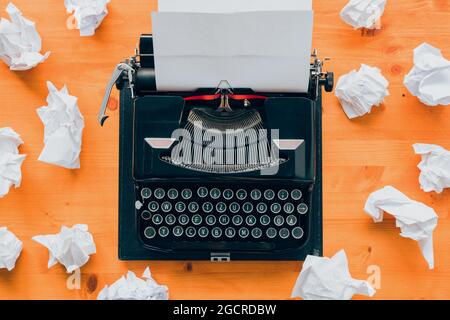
<point x="222" y="245"/>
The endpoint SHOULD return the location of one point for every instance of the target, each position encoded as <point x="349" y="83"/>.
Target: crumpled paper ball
<point x="363" y="13"/>
<point x="434" y="167"/>
<point x="10" y="160"/>
<point x="10" y="249"/>
<point x="358" y="91"/>
<point x="88" y="14"/>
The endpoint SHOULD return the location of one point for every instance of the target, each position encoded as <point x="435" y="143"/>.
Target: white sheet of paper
<point x="363" y="13"/>
<point x="265" y="51"/>
<point x="231" y="6"/>
<point x="63" y="128"/>
<point x="416" y="220"/>
<point x="10" y="249"/>
<point x="429" y="79"/>
<point x="20" y="43"/>
<point x="358" y="91"/>
<point x="89" y="14"/>
<point x="325" y="278"/>
<point x="10" y="160"/>
<point x="71" y="247"/>
<point x="434" y="167"/>
<point x="130" y="287"/>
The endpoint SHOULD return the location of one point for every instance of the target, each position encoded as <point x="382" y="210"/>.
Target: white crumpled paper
<point x="416" y="220"/>
<point x="89" y="14"/>
<point x="130" y="287"/>
<point x="71" y="247"/>
<point x="429" y="79"/>
<point x="20" y="43"/>
<point x="363" y="13"/>
<point x="63" y="128"/>
<point x="10" y="249"/>
<point x="328" y="279"/>
<point x="434" y="167"/>
<point x="10" y="160"/>
<point x="358" y="91"/>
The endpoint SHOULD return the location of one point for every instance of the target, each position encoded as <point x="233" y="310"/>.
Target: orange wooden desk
<point x="359" y="157"/>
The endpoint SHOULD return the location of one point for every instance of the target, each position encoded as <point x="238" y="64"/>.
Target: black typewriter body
<point x="169" y="210"/>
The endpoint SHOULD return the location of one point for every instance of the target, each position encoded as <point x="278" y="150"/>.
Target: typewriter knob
<point x="329" y="81"/>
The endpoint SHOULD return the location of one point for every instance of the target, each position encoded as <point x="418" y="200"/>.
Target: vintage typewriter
<point x="255" y="196"/>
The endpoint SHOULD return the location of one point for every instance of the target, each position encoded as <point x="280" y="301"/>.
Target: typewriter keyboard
<point x="245" y="217"/>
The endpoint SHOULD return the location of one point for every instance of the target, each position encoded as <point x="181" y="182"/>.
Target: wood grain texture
<point x="359" y="157"/>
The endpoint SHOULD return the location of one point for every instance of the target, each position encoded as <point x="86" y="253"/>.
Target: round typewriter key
<point x="241" y="194"/>
<point x="197" y="219"/>
<point x="207" y="207"/>
<point x="291" y="220"/>
<point x="146" y="193"/>
<point x="210" y="220"/>
<point x="250" y="220"/>
<point x="271" y="233"/>
<point x="159" y="193"/>
<point x="180" y="207"/>
<point x="283" y="194"/>
<point x="202" y="192"/>
<point x="172" y="194"/>
<point x="178" y="231"/>
<point x="278" y="220"/>
<point x="264" y="220"/>
<point x="186" y="194"/>
<point x="221" y="207"/>
<point x="153" y="206"/>
<point x="224" y="219"/>
<point x="138" y="205"/>
<point x="230" y="232"/>
<point x="296" y="194"/>
<point x="261" y="208"/>
<point x="235" y="207"/>
<point x="284" y="233"/>
<point x="297" y="232"/>
<point x="163" y="232"/>
<point x="203" y="232"/>
<point x="216" y="232"/>
<point x="269" y="194"/>
<point x="237" y="220"/>
<point x="190" y="232"/>
<point x="193" y="207"/>
<point x="170" y="219"/>
<point x="183" y="219"/>
<point x="289" y="207"/>
<point x="275" y="207"/>
<point x="150" y="232"/>
<point x="256" y="233"/>
<point x="302" y="208"/>
<point x="214" y="193"/>
<point x="228" y="194"/>
<point x="166" y="206"/>
<point x="157" y="219"/>
<point x="247" y="207"/>
<point x="243" y="232"/>
<point x="255" y="194"/>
<point x="146" y="215"/>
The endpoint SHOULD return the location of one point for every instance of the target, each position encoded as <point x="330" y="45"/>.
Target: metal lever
<point x="120" y="68"/>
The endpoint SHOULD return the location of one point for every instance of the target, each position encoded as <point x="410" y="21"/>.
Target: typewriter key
<point x="256" y="233"/>
<point x="224" y="220"/>
<point x="247" y="207"/>
<point x="241" y="194"/>
<point x="170" y="219"/>
<point x="193" y="207"/>
<point x="230" y="232"/>
<point x="283" y="194"/>
<point x="190" y="232"/>
<point x="146" y="193"/>
<point x="297" y="232"/>
<point x="172" y="194"/>
<point x="235" y="207"/>
<point x="202" y="192"/>
<point x="216" y="232"/>
<point x="243" y="232"/>
<point x="207" y="207"/>
<point x="166" y="206"/>
<point x="183" y="219"/>
<point x="269" y="194"/>
<point x="255" y="194"/>
<point x="159" y="193"/>
<point x="228" y="194"/>
<point x="197" y="219"/>
<point x="271" y="233"/>
<point x="221" y="207"/>
<point x="296" y="194"/>
<point x="203" y="232"/>
<point x="291" y="220"/>
<point x="289" y="207"/>
<point x="186" y="194"/>
<point x="178" y="231"/>
<point x="210" y="220"/>
<point x="146" y="215"/>
<point x="215" y="193"/>
<point x="163" y="232"/>
<point x="237" y="220"/>
<point x="302" y="208"/>
<point x="264" y="220"/>
<point x="153" y="206"/>
<point x="278" y="220"/>
<point x="284" y="233"/>
<point x="150" y="232"/>
<point x="180" y="207"/>
<point x="157" y="219"/>
<point x="275" y="207"/>
<point x="261" y="208"/>
<point x="250" y="220"/>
